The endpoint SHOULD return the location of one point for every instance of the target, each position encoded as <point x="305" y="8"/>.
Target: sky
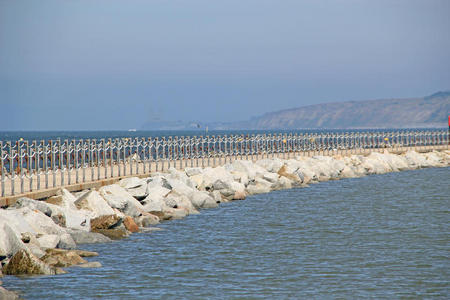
<point x="112" y="65"/>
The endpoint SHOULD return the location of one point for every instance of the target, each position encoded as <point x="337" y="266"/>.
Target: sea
<point x="14" y="136"/>
<point x="380" y="236"/>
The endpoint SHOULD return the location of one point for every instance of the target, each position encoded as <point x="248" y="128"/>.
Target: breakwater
<point x="40" y="237"/>
<point x="38" y="168"/>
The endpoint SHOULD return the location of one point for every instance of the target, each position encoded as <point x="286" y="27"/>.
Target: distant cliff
<point x="430" y="111"/>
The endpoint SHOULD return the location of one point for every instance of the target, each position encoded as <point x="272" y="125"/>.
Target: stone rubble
<point x="40" y="237"/>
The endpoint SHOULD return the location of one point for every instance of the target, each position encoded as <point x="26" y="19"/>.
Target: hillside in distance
<point x="424" y="112"/>
<point x="430" y="111"/>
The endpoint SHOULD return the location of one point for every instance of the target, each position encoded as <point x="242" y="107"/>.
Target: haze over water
<point x="382" y="236"/>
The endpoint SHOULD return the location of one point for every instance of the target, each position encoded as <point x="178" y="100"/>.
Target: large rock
<point x="114" y="234"/>
<point x="181" y="176"/>
<point x="39" y="222"/>
<point x="86" y="237"/>
<point x="105" y="222"/>
<point x="217" y="196"/>
<point x="271" y="177"/>
<point x="136" y="187"/>
<point x="118" y="197"/>
<point x="416" y="160"/>
<point x="94" y="202"/>
<point x="271" y="165"/>
<point x="29" y="238"/>
<point x="218" y="175"/>
<point x="138" y="193"/>
<point x="66" y="242"/>
<point x="252" y="170"/>
<point x="240" y="177"/>
<point x="444" y="156"/>
<point x="259" y="186"/>
<point x="130" y="225"/>
<point x="348" y="172"/>
<point x="155" y="205"/>
<point x="62" y="258"/>
<point x="85" y="253"/>
<point x="158" y="180"/>
<point x="174" y="213"/>
<point x="132" y="182"/>
<point x="91" y="264"/>
<point x="36" y="250"/>
<point x="373" y="164"/>
<point x="289" y="173"/>
<point x="7" y="295"/>
<point x="147" y="220"/>
<point x="74" y="218"/>
<point x="180" y="186"/>
<point x="10" y="241"/>
<point x="238" y="190"/>
<point x="239" y="195"/>
<point x="325" y="167"/>
<point x="78" y="219"/>
<point x="193" y="171"/>
<point x="25" y="263"/>
<point x="177" y="200"/>
<point x="202" y="199"/>
<point x="435" y="159"/>
<point x="55" y="212"/>
<point x="155" y="199"/>
<point x="303" y="168"/>
<point x="33" y="205"/>
<point x="14" y="218"/>
<point x="55" y="200"/>
<point x="32" y="244"/>
<point x="220" y="184"/>
<point x="337" y="165"/>
<point x="355" y="167"/>
<point x="67" y="199"/>
<point x="155" y="194"/>
<point x="283" y="183"/>
<point x="161" y="215"/>
<point x="48" y="240"/>
<point x="197" y="180"/>
<point x="395" y="162"/>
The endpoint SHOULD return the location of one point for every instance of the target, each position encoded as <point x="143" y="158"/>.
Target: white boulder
<point x="252" y="170"/>
<point x="135" y="186"/>
<point x="48" y="240"/>
<point x="10" y="242"/>
<point x="416" y="160"/>
<point x="202" y="199"/>
<point x="259" y="186"/>
<point x="117" y="197"/>
<point x="193" y="171"/>
<point x="94" y="202"/>
<point x="271" y="165"/>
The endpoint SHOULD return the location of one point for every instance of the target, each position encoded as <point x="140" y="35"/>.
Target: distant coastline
<point x="421" y="112"/>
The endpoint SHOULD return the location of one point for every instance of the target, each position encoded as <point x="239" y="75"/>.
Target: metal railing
<point x="34" y="165"/>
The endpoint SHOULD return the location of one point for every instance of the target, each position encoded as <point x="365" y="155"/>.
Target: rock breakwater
<point x="40" y="237"/>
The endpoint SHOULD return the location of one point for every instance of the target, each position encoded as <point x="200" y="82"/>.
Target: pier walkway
<point x="39" y="170"/>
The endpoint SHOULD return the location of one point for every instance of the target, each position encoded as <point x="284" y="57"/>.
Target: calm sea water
<point x="383" y="236"/>
<point x="70" y="135"/>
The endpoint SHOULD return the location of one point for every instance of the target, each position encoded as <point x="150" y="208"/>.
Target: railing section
<point x="28" y="166"/>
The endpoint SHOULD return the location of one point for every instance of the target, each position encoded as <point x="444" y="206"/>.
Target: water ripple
<point x="383" y="236"/>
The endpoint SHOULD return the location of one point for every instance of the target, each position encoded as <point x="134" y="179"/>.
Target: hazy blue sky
<point x="117" y="64"/>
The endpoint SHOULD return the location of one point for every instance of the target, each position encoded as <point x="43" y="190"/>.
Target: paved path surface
<point x="44" y="185"/>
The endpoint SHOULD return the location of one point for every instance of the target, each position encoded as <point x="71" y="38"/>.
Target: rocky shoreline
<point x="40" y="237"/>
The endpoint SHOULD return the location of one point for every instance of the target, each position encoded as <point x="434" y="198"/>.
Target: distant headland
<point x="422" y="112"/>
